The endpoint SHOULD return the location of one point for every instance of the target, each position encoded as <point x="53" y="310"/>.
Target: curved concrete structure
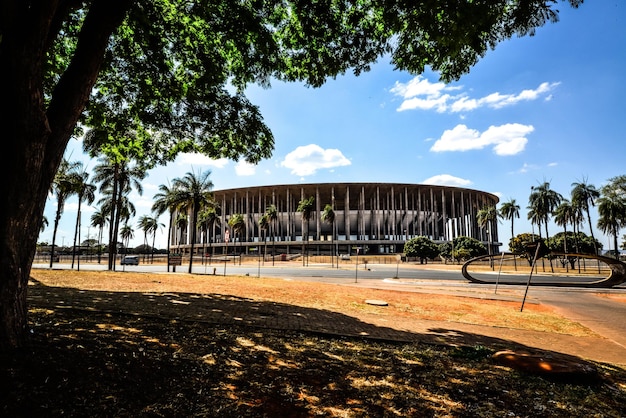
<point x="377" y="218"/>
<point x="616" y="276"/>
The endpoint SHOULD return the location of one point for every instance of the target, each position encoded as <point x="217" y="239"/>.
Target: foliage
<point x="191" y="194"/>
<point x="510" y="210"/>
<point x="519" y="243"/>
<point x="612" y="207"/>
<point x="161" y="77"/>
<point x="543" y="201"/>
<point x="421" y="247"/>
<point x="462" y="248"/>
<point x="578" y="242"/>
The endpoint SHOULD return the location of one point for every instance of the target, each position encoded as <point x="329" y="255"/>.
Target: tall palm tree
<point x="612" y="213"/>
<point x="181" y="223"/>
<point x="237" y="223"/>
<point x="583" y="196"/>
<point x="509" y="211"/>
<point x="117" y="179"/>
<point x="144" y="225"/>
<point x="86" y="192"/>
<point x="563" y="215"/>
<point x="99" y="220"/>
<point x="328" y="216"/>
<point x="264" y="223"/>
<point x="126" y="234"/>
<point x="209" y="218"/>
<point x="149" y="225"/>
<point x="62" y="188"/>
<point x="544" y="201"/>
<point x="164" y="202"/>
<point x="192" y="193"/>
<point x="486" y="217"/>
<point x="305" y="207"/>
<point x="272" y="216"/>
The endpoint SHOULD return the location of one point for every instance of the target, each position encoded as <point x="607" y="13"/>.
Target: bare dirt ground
<point x="158" y="345"/>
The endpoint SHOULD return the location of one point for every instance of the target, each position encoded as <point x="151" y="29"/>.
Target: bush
<point x="462" y="248"/>
<point x="421" y="247"/>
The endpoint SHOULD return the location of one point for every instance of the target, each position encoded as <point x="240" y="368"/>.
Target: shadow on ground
<point x="126" y="354"/>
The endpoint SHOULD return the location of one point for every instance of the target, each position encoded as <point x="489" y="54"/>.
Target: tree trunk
<point x="35" y="132"/>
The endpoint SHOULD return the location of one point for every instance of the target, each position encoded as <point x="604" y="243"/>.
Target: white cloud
<point x="244" y="168"/>
<point x="447" y="180"/>
<point x="508" y="139"/>
<point x="192" y="158"/>
<point x="306" y="160"/>
<point x="526" y="168"/>
<point x="419" y="93"/>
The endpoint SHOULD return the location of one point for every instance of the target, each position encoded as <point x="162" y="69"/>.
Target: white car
<point x="130" y="260"/>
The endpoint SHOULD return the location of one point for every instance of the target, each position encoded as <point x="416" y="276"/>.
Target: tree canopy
<point x="159" y="77"/>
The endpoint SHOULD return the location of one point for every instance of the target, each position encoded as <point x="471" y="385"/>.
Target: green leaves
<point x="175" y="72"/>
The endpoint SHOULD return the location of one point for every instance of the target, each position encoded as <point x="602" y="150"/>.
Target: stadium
<point x="375" y="218"/>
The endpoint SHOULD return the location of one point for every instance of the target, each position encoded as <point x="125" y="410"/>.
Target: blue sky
<point x="545" y="108"/>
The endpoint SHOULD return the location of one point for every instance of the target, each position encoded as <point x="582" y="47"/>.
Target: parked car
<point x="130" y="260"/>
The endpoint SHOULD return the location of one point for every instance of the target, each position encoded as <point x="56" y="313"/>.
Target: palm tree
<point x="564" y="214"/>
<point x="143" y="224"/>
<point x="305" y="206"/>
<point x="509" y="211"/>
<point x="264" y="223"/>
<point x="237" y="223"/>
<point x="117" y="179"/>
<point x="486" y="218"/>
<point x="583" y="196"/>
<point x="86" y="192"/>
<point x="208" y="218"/>
<point x="149" y="225"/>
<point x="272" y="217"/>
<point x="99" y="220"/>
<point x="62" y="188"/>
<point x="182" y="221"/>
<point x="328" y="216"/>
<point x="163" y="202"/>
<point x="612" y="213"/>
<point x="192" y="193"/>
<point x="126" y="234"/>
<point x="543" y="202"/>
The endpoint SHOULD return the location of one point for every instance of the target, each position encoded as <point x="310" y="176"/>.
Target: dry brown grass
<point x="404" y="307"/>
<point x="138" y="358"/>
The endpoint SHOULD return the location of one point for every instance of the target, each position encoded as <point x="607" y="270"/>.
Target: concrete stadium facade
<point x="377" y="218"/>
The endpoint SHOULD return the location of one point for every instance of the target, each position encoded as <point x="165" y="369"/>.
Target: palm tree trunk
<point x="113" y="221"/>
<point x="54" y="236"/>
<point x="76" y="230"/>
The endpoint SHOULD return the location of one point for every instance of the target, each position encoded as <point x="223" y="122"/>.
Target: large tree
<point x="164" y="69"/>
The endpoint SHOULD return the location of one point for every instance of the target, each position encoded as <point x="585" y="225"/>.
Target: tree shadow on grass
<point x="97" y="353"/>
